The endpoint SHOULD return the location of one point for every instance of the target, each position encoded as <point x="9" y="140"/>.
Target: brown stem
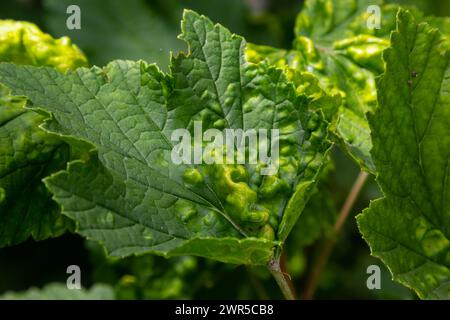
<point x="285" y="271"/>
<point x="322" y="259"/>
<point x="284" y="282"/>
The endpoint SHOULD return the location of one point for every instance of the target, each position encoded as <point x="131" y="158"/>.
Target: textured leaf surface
<point x="27" y="156"/>
<point x="27" y="153"/>
<point x="134" y="199"/>
<point x="59" y="291"/>
<point x="409" y="229"/>
<point x="334" y="43"/>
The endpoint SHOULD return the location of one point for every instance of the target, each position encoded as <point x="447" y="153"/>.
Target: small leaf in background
<point x="409" y="229"/>
<point x="59" y="291"/>
<point x="24" y="43"/>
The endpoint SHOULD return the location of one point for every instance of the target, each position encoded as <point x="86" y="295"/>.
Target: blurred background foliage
<point x="139" y="29"/>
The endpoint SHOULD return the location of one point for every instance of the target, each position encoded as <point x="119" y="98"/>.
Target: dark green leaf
<point x="134" y="199"/>
<point x="409" y="229"/>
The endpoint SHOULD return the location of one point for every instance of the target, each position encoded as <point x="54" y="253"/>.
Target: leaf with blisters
<point x="334" y="43"/>
<point x="134" y="199"/>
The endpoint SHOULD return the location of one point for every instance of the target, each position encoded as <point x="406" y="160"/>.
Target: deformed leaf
<point x="24" y="43"/>
<point x="333" y="41"/>
<point x="409" y="229"/>
<point x="134" y="198"/>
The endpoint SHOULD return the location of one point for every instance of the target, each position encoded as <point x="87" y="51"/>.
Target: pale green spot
<point x="148" y="235"/>
<point x="186" y="210"/>
<point x="192" y="176"/>
<point x="434" y="242"/>
<point x="421" y="229"/>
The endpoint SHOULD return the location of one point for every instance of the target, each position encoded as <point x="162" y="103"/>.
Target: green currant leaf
<point x="133" y="198"/>
<point x="27" y="153"/>
<point x="333" y="42"/>
<point x="409" y="229"/>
